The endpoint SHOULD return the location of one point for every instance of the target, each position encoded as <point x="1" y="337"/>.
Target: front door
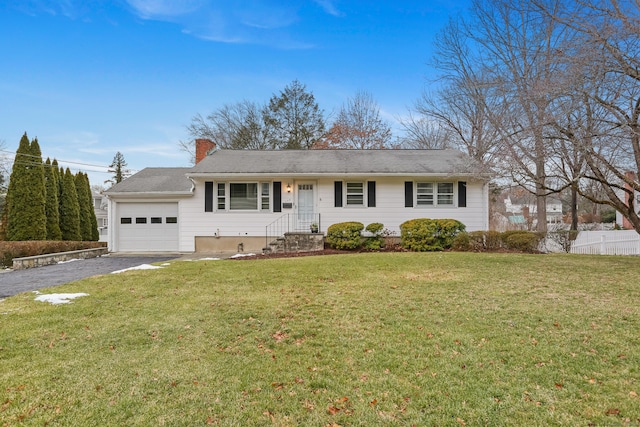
<point x="306" y="209"/>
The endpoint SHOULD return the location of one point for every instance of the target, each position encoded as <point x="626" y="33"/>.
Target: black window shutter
<point x="208" y="196"/>
<point x="277" y="196"/>
<point x="337" y="192"/>
<point x="371" y="194"/>
<point x="462" y="194"/>
<point x="408" y="194"/>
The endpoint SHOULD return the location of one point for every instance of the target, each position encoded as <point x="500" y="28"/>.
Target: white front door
<point x="306" y="206"/>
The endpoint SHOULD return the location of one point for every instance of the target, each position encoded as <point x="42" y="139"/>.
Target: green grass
<point x="394" y="339"/>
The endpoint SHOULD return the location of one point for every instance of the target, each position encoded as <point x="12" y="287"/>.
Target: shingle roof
<point x="322" y="162"/>
<point x="155" y="180"/>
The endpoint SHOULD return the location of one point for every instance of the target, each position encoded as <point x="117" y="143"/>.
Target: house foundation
<point x="239" y="244"/>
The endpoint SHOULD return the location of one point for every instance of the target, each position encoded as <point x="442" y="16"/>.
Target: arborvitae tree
<point x="60" y="182"/>
<point x="84" y="205"/>
<point x="26" y="217"/>
<point x="95" y="233"/>
<point x="39" y="193"/>
<point x="69" y="209"/>
<point x="52" y="206"/>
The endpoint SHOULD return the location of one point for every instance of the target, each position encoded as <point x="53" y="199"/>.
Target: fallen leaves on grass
<point x="279" y="336"/>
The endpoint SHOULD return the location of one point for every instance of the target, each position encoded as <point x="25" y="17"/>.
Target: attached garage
<point x="147" y="227"/>
<point x="144" y="210"/>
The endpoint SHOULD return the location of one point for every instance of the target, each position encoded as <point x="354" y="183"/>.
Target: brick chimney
<point x="631" y="176"/>
<point x="203" y="147"/>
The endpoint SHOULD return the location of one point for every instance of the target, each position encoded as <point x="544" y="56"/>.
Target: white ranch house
<point x="240" y="198"/>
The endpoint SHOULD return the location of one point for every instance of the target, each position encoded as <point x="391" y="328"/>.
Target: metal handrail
<point x="290" y="222"/>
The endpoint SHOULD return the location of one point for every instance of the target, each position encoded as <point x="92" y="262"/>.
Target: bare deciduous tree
<point x="423" y="133"/>
<point x="358" y="126"/>
<point x="233" y="126"/>
<point x="607" y="54"/>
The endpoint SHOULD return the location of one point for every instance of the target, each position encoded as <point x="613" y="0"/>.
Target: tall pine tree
<point x="52" y="205"/>
<point x="25" y="207"/>
<point x="69" y="209"/>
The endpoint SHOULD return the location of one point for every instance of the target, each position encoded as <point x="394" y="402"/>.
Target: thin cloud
<point x="329" y="7"/>
<point x="72" y="9"/>
<point x="153" y="9"/>
<point x="261" y="22"/>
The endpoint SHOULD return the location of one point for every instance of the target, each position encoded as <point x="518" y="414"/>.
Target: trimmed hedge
<point x="11" y="250"/>
<point x="425" y="234"/>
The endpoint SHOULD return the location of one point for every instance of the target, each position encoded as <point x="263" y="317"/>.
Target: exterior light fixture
<point x="288" y="188"/>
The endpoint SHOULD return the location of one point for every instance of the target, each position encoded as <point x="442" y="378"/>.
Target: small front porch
<point x="294" y="233"/>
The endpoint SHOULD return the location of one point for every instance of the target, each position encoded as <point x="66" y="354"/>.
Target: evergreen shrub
<point x="345" y="235"/>
<point x="375" y="240"/>
<point x="425" y="234"/>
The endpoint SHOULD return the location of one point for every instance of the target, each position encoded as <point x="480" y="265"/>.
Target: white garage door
<point x="147" y="227"/>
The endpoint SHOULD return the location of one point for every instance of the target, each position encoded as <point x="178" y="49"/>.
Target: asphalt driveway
<point x="31" y="279"/>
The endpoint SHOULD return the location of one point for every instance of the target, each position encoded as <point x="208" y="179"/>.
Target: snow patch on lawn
<point x="242" y="255"/>
<point x="139" y="267"/>
<point x="59" y="298"/>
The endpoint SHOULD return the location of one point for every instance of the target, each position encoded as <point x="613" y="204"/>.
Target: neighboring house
<point x="238" y="197"/>
<point x="523" y="210"/>
<point x="100" y="209"/>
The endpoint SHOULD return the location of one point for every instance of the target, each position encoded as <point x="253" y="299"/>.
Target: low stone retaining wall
<point x="48" y="259"/>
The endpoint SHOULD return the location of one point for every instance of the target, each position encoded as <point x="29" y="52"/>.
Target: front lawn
<point x="443" y="339"/>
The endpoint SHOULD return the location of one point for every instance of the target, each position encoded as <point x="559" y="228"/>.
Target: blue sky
<point x="89" y="78"/>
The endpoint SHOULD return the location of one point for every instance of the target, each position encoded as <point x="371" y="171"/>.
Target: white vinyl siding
<point x="389" y="210"/>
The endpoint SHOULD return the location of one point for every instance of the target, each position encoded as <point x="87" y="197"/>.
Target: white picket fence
<point x="615" y="242"/>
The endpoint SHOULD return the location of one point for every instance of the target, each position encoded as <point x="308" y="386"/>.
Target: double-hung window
<point x="355" y="193"/>
<point x="434" y="194"/>
<point x="424" y="194"/>
<point x="222" y="199"/>
<point x="264" y="196"/>
<point x="445" y="193"/>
